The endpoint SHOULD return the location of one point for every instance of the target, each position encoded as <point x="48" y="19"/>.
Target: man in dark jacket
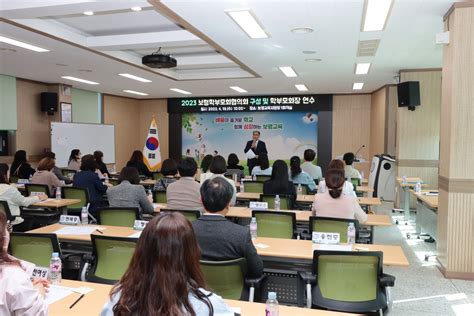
<point x="257" y="146"/>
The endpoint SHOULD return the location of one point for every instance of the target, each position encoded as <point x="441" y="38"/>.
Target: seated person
<point x="44" y="175"/>
<point x="164" y="276"/>
<point x="204" y="172"/>
<point x="99" y="156"/>
<point x="263" y="166"/>
<point x="19" y="295"/>
<point x="129" y="192"/>
<point x="14" y="198"/>
<point x="218" y="168"/>
<point x="56" y="170"/>
<point x="333" y="203"/>
<point x="347" y="189"/>
<point x="20" y="166"/>
<point x="219" y="238"/>
<point x="184" y="194"/>
<point x="279" y="182"/>
<point x="233" y="166"/>
<point x="298" y="176"/>
<point x="169" y="169"/>
<point x="309" y="167"/>
<point x="136" y="161"/>
<point x="350" y="172"/>
<point x="88" y="179"/>
<point x="74" y="162"/>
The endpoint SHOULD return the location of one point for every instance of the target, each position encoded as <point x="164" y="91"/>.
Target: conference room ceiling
<point x="212" y="51"/>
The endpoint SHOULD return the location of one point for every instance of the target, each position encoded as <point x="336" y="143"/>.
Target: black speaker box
<point x="49" y="102"/>
<point x="408" y="93"/>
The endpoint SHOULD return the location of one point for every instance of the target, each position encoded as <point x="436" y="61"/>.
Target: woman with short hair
<point x="44" y="175"/>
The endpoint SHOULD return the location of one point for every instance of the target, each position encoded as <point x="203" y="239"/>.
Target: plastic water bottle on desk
<point x="418" y="187"/>
<point x="150" y="196"/>
<point x="351" y="234"/>
<point x="404" y="180"/>
<point x="242" y="189"/>
<point x="30" y="178"/>
<point x="299" y="190"/>
<point x="58" y="193"/>
<point x="271" y="306"/>
<point x="254" y="178"/>
<point x="253" y="228"/>
<point x="55" y="269"/>
<point x="84" y="216"/>
<point x="277" y="202"/>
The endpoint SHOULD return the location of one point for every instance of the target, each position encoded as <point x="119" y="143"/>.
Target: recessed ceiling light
<point x="180" y="91"/>
<point x="88" y="13"/>
<point x="135" y="77"/>
<point x="11" y="41"/>
<point x="357" y="86"/>
<point x="308" y="52"/>
<point x="301" y="87"/>
<point x="362" y="68"/>
<point x="79" y="80"/>
<point x="134" y="92"/>
<point x="136" y="9"/>
<point x="302" y="30"/>
<point x="238" y="89"/>
<point x="248" y="23"/>
<point x="312" y="60"/>
<point x="376" y="14"/>
<point x="288" y="71"/>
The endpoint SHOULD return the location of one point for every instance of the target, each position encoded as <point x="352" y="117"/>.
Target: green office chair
<point x="30" y="188"/>
<point x="348" y="281"/>
<point x="68" y="172"/>
<point x="76" y="193"/>
<point x="157" y="176"/>
<point x="253" y="186"/>
<point x="118" y="216"/>
<point x="262" y="178"/>
<point x="228" y="278"/>
<point x="159" y="197"/>
<point x="110" y="259"/>
<point x="355" y="182"/>
<point x="5" y="208"/>
<point x="286" y="201"/>
<point x="275" y="224"/>
<point x="34" y="248"/>
<point x="304" y="188"/>
<point x="191" y="215"/>
<point x="14" y="179"/>
<point x="332" y="225"/>
<point x="113" y="181"/>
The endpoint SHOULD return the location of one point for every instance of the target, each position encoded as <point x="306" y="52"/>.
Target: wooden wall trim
<point x="457" y="5"/>
<point x="452" y="185"/>
<point x="455" y="275"/>
<point x="420" y="70"/>
<point x="417" y="163"/>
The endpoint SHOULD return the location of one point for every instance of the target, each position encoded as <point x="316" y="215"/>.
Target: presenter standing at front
<point x="257" y="146"/>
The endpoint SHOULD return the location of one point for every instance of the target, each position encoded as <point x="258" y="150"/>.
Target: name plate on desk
<point x="23" y="181"/>
<point x="325" y="238"/>
<point x="69" y="220"/>
<point x="258" y="206"/>
<point x="36" y="193"/>
<point x="139" y="225"/>
<point x="39" y="273"/>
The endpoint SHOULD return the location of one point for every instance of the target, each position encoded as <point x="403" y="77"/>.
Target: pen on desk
<point x="76" y="301"/>
<point x="99" y="231"/>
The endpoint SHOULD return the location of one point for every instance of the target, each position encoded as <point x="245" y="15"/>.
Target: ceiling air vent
<point x="367" y="48"/>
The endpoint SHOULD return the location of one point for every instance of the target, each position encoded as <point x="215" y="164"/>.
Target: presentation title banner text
<point x="250" y="103"/>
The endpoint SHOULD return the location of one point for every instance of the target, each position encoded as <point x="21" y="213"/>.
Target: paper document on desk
<point x="77" y="230"/>
<point x="135" y="235"/>
<point x="261" y="246"/>
<point x="57" y="293"/>
<point x="250" y="154"/>
<point x="333" y="247"/>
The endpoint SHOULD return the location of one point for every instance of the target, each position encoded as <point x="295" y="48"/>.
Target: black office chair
<point x="4" y="208"/>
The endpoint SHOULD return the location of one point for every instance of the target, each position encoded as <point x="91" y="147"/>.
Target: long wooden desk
<point x="301" y="216"/>
<point x="426" y="214"/>
<point x="410" y="183"/>
<point x="59" y="205"/>
<point x="93" y="302"/>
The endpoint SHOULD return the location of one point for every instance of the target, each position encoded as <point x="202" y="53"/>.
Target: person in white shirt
<point x="263" y="166"/>
<point x="348" y="187"/>
<point x="218" y="168"/>
<point x="74" y="162"/>
<point x="308" y="166"/>
<point x="18" y="294"/>
<point x="164" y="276"/>
<point x="350" y="171"/>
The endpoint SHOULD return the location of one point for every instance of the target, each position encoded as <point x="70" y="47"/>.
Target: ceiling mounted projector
<point x="157" y="60"/>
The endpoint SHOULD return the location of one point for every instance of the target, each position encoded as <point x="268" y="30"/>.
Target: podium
<point x="382" y="177"/>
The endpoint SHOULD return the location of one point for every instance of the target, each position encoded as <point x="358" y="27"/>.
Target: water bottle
<point x="234" y="177"/>
<point x="84" y="216"/>
<point x="150" y="196"/>
<point x="30" y="178"/>
<point x="253" y="228"/>
<point x="106" y="179"/>
<point x="254" y="178"/>
<point x="58" y="193"/>
<point x="277" y="202"/>
<point x="351" y="234"/>
<point x="242" y="185"/>
<point x="418" y="187"/>
<point x="299" y="190"/>
<point x="55" y="267"/>
<point x="404" y="179"/>
<point x="271" y="306"/>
